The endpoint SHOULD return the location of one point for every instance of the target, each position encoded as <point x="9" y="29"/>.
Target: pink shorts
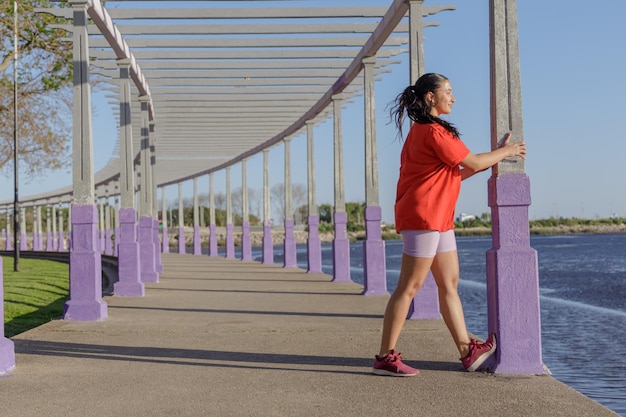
<point x="427" y="243"/>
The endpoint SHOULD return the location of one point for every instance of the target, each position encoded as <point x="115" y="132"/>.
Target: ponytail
<point x="411" y="103"/>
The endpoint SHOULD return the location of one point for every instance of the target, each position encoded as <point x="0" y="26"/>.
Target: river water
<point x="582" y="281"/>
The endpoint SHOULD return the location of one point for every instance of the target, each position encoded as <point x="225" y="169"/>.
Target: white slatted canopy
<point x="226" y="82"/>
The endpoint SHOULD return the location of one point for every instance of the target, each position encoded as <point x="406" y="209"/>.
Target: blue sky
<point x="573" y="66"/>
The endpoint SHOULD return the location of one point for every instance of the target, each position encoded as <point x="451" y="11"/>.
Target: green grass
<point x="34" y="295"/>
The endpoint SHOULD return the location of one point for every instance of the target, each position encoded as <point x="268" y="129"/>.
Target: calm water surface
<point x="582" y="280"/>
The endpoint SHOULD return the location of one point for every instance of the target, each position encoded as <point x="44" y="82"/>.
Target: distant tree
<point x="277" y="197"/>
<point x="326" y="213"/>
<point x="44" y="94"/>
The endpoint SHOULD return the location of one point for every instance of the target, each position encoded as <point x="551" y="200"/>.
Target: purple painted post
<point x="37" y="241"/>
<point x="341" y="248"/>
<point x="197" y="248"/>
<point x="8" y="245"/>
<point x="129" y="284"/>
<point x="166" y="239"/>
<point x="513" y="278"/>
<point x="246" y="244"/>
<point x="181" y="240"/>
<point x="147" y="260"/>
<point x="314" y="247"/>
<point x="23" y="241"/>
<point x="85" y="303"/>
<point x="157" y="246"/>
<point x="49" y="244"/>
<point x="289" y="246"/>
<point x="61" y="246"/>
<point x="374" y="265"/>
<point x="7" y="347"/>
<point x="230" y="242"/>
<point x="425" y="304"/>
<point x="268" y="244"/>
<point x="213" y="241"/>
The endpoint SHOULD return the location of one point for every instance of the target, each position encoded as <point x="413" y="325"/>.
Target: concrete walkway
<point x="224" y="338"/>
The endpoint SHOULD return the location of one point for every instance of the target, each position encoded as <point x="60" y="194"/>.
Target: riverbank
<point x="301" y="236"/>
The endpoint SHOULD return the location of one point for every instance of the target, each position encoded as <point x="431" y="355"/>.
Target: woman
<point x="434" y="160"/>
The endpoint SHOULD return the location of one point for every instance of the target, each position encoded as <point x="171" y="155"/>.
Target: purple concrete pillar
<point x="129" y="284"/>
<point x="7" y="348"/>
<point x="49" y="242"/>
<point x="246" y="245"/>
<point x="55" y="242"/>
<point x="268" y="244"/>
<point x="197" y="243"/>
<point x="341" y="248"/>
<point x="513" y="278"/>
<point x="108" y="244"/>
<point x="181" y="240"/>
<point x="85" y="303"/>
<point x="166" y="239"/>
<point x="37" y="241"/>
<point x="425" y="304"/>
<point x="289" y="246"/>
<point x="23" y="241"/>
<point x="61" y="245"/>
<point x="374" y="261"/>
<point x="147" y="260"/>
<point x="213" y="241"/>
<point x="8" y="245"/>
<point x="157" y="246"/>
<point x="314" y="247"/>
<point x="230" y="242"/>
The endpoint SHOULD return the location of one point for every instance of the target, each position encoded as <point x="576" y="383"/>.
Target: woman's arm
<point x="480" y="162"/>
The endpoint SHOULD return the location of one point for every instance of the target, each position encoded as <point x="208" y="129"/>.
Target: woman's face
<point x="441" y="100"/>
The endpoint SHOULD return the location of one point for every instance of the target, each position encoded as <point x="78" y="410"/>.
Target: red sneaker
<point x="479" y="353"/>
<point x="391" y="365"/>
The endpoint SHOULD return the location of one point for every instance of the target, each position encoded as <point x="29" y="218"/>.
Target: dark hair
<point x="412" y="102"/>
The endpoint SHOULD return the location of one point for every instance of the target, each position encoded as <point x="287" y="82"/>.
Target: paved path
<point x="225" y="338"/>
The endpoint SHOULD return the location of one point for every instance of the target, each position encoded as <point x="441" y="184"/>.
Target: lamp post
<point x="16" y="246"/>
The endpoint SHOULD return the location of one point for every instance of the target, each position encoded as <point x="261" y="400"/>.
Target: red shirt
<point x="430" y="179"/>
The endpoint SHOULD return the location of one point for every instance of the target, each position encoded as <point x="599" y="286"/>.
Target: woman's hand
<point x="513" y="149"/>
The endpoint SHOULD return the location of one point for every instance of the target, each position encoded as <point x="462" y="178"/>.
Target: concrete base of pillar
<point x="513" y="279"/>
<point x="7" y="348"/>
<point x="157" y="246"/>
<point x="129" y="284"/>
<point x="341" y="249"/>
<point x="425" y="305"/>
<point x="61" y="245"/>
<point x="85" y="303"/>
<point x="213" y="251"/>
<point x="314" y="247"/>
<point x="7" y="355"/>
<point x="146" y="251"/>
<point x="181" y="240"/>
<point x="268" y="245"/>
<point x="23" y="242"/>
<point x="289" y="246"/>
<point x="246" y="243"/>
<point x="197" y="243"/>
<point x="374" y="260"/>
<point x="230" y="242"/>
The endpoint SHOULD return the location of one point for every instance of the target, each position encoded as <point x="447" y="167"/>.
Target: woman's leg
<point x="445" y="268"/>
<point x="413" y="273"/>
